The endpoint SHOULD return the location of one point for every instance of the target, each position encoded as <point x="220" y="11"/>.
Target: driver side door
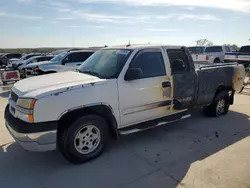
<point x="148" y="97"/>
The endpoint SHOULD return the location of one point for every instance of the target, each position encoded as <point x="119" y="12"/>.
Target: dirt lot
<point x="199" y="152"/>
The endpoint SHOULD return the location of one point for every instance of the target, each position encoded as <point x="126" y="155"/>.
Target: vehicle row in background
<point x="64" y="61"/>
<point x="37" y="64"/>
<point x="210" y="54"/>
<point x="15" y="61"/>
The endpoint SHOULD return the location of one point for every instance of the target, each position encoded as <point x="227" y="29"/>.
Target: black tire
<point x="66" y="139"/>
<point x="4" y="83"/>
<point x="217" y="60"/>
<point x="211" y="110"/>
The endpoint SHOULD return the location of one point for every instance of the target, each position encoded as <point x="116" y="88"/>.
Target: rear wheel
<point x="219" y="106"/>
<point x="84" y="139"/>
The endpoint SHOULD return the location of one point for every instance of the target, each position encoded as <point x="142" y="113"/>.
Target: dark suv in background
<point x="4" y="58"/>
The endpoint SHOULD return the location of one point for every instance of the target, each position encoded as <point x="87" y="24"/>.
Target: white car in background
<point x="15" y="62"/>
<point x="43" y="58"/>
<point x="65" y="61"/>
<point x="213" y="54"/>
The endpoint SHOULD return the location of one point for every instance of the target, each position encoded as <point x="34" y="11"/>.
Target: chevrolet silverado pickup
<point x="117" y="91"/>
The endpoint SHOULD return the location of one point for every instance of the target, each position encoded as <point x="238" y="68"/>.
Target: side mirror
<point x="177" y="66"/>
<point x="133" y="74"/>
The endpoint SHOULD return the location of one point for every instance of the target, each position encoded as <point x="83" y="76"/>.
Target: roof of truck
<point x="135" y="46"/>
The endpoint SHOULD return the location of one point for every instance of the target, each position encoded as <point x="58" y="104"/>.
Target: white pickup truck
<point x="213" y="54"/>
<point x="117" y="91"/>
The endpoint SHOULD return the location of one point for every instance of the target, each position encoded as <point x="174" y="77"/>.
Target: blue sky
<point x="82" y="23"/>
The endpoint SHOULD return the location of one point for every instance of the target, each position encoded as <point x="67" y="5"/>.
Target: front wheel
<point x="219" y="106"/>
<point x="84" y="139"/>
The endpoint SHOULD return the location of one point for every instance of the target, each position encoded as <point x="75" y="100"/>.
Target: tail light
<point x="207" y="58"/>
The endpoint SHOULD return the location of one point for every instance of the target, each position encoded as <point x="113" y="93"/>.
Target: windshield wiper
<point x="91" y="73"/>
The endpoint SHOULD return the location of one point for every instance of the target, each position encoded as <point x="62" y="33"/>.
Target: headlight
<point x="26" y="103"/>
<point x="26" y="107"/>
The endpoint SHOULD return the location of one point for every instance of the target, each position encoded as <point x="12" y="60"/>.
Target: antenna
<point x="128" y="44"/>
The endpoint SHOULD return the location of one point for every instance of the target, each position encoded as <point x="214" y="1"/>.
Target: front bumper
<point x="32" y="136"/>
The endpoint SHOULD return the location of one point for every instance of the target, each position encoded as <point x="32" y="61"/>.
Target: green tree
<point x="204" y="42"/>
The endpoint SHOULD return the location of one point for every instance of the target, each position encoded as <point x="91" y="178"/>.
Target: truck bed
<point x="210" y="77"/>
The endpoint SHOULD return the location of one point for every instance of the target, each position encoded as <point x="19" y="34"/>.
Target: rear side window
<point x="178" y="61"/>
<point x="150" y="62"/>
<point x="245" y="49"/>
<point x="80" y="56"/>
<point x="213" y="49"/>
<point x="28" y="56"/>
<point x="196" y="50"/>
<point x="45" y="58"/>
<point x="10" y="56"/>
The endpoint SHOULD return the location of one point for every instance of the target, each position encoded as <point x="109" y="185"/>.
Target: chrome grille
<point x="14" y="96"/>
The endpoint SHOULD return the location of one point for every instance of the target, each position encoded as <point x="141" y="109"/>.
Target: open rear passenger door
<point x="184" y="78"/>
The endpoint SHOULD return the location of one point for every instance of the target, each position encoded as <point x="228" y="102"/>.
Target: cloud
<point x="84" y="26"/>
<point x="188" y="8"/>
<point x="198" y="17"/>
<point x="93" y="17"/>
<point x="25" y="1"/>
<point x="17" y="16"/>
<point x="235" y="5"/>
<point x="64" y="10"/>
<point x="148" y="19"/>
<point x="162" y="30"/>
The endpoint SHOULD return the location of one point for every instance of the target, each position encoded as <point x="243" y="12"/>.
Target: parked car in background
<point x="6" y="57"/>
<point x="34" y="59"/>
<point x="196" y="49"/>
<point x="213" y="54"/>
<point x="242" y="57"/>
<point x="13" y="63"/>
<point x="78" y="111"/>
<point x="64" y="61"/>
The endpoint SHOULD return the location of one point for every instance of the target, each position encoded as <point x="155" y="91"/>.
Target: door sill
<point x="154" y="123"/>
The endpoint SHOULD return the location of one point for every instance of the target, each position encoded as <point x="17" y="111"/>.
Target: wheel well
<point x="217" y="58"/>
<point x="101" y="110"/>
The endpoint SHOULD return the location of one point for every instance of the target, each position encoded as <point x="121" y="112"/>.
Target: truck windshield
<point x="245" y="49"/>
<point x="59" y="57"/>
<point x="196" y="50"/>
<point x="213" y="49"/>
<point x="106" y="64"/>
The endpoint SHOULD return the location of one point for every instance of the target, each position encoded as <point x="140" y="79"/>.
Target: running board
<point x="154" y="123"/>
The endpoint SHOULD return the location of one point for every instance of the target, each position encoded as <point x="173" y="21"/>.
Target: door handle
<point x="78" y="64"/>
<point x="166" y="84"/>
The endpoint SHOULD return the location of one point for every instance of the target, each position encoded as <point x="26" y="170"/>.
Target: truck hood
<point x="38" y="63"/>
<point x="40" y="86"/>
